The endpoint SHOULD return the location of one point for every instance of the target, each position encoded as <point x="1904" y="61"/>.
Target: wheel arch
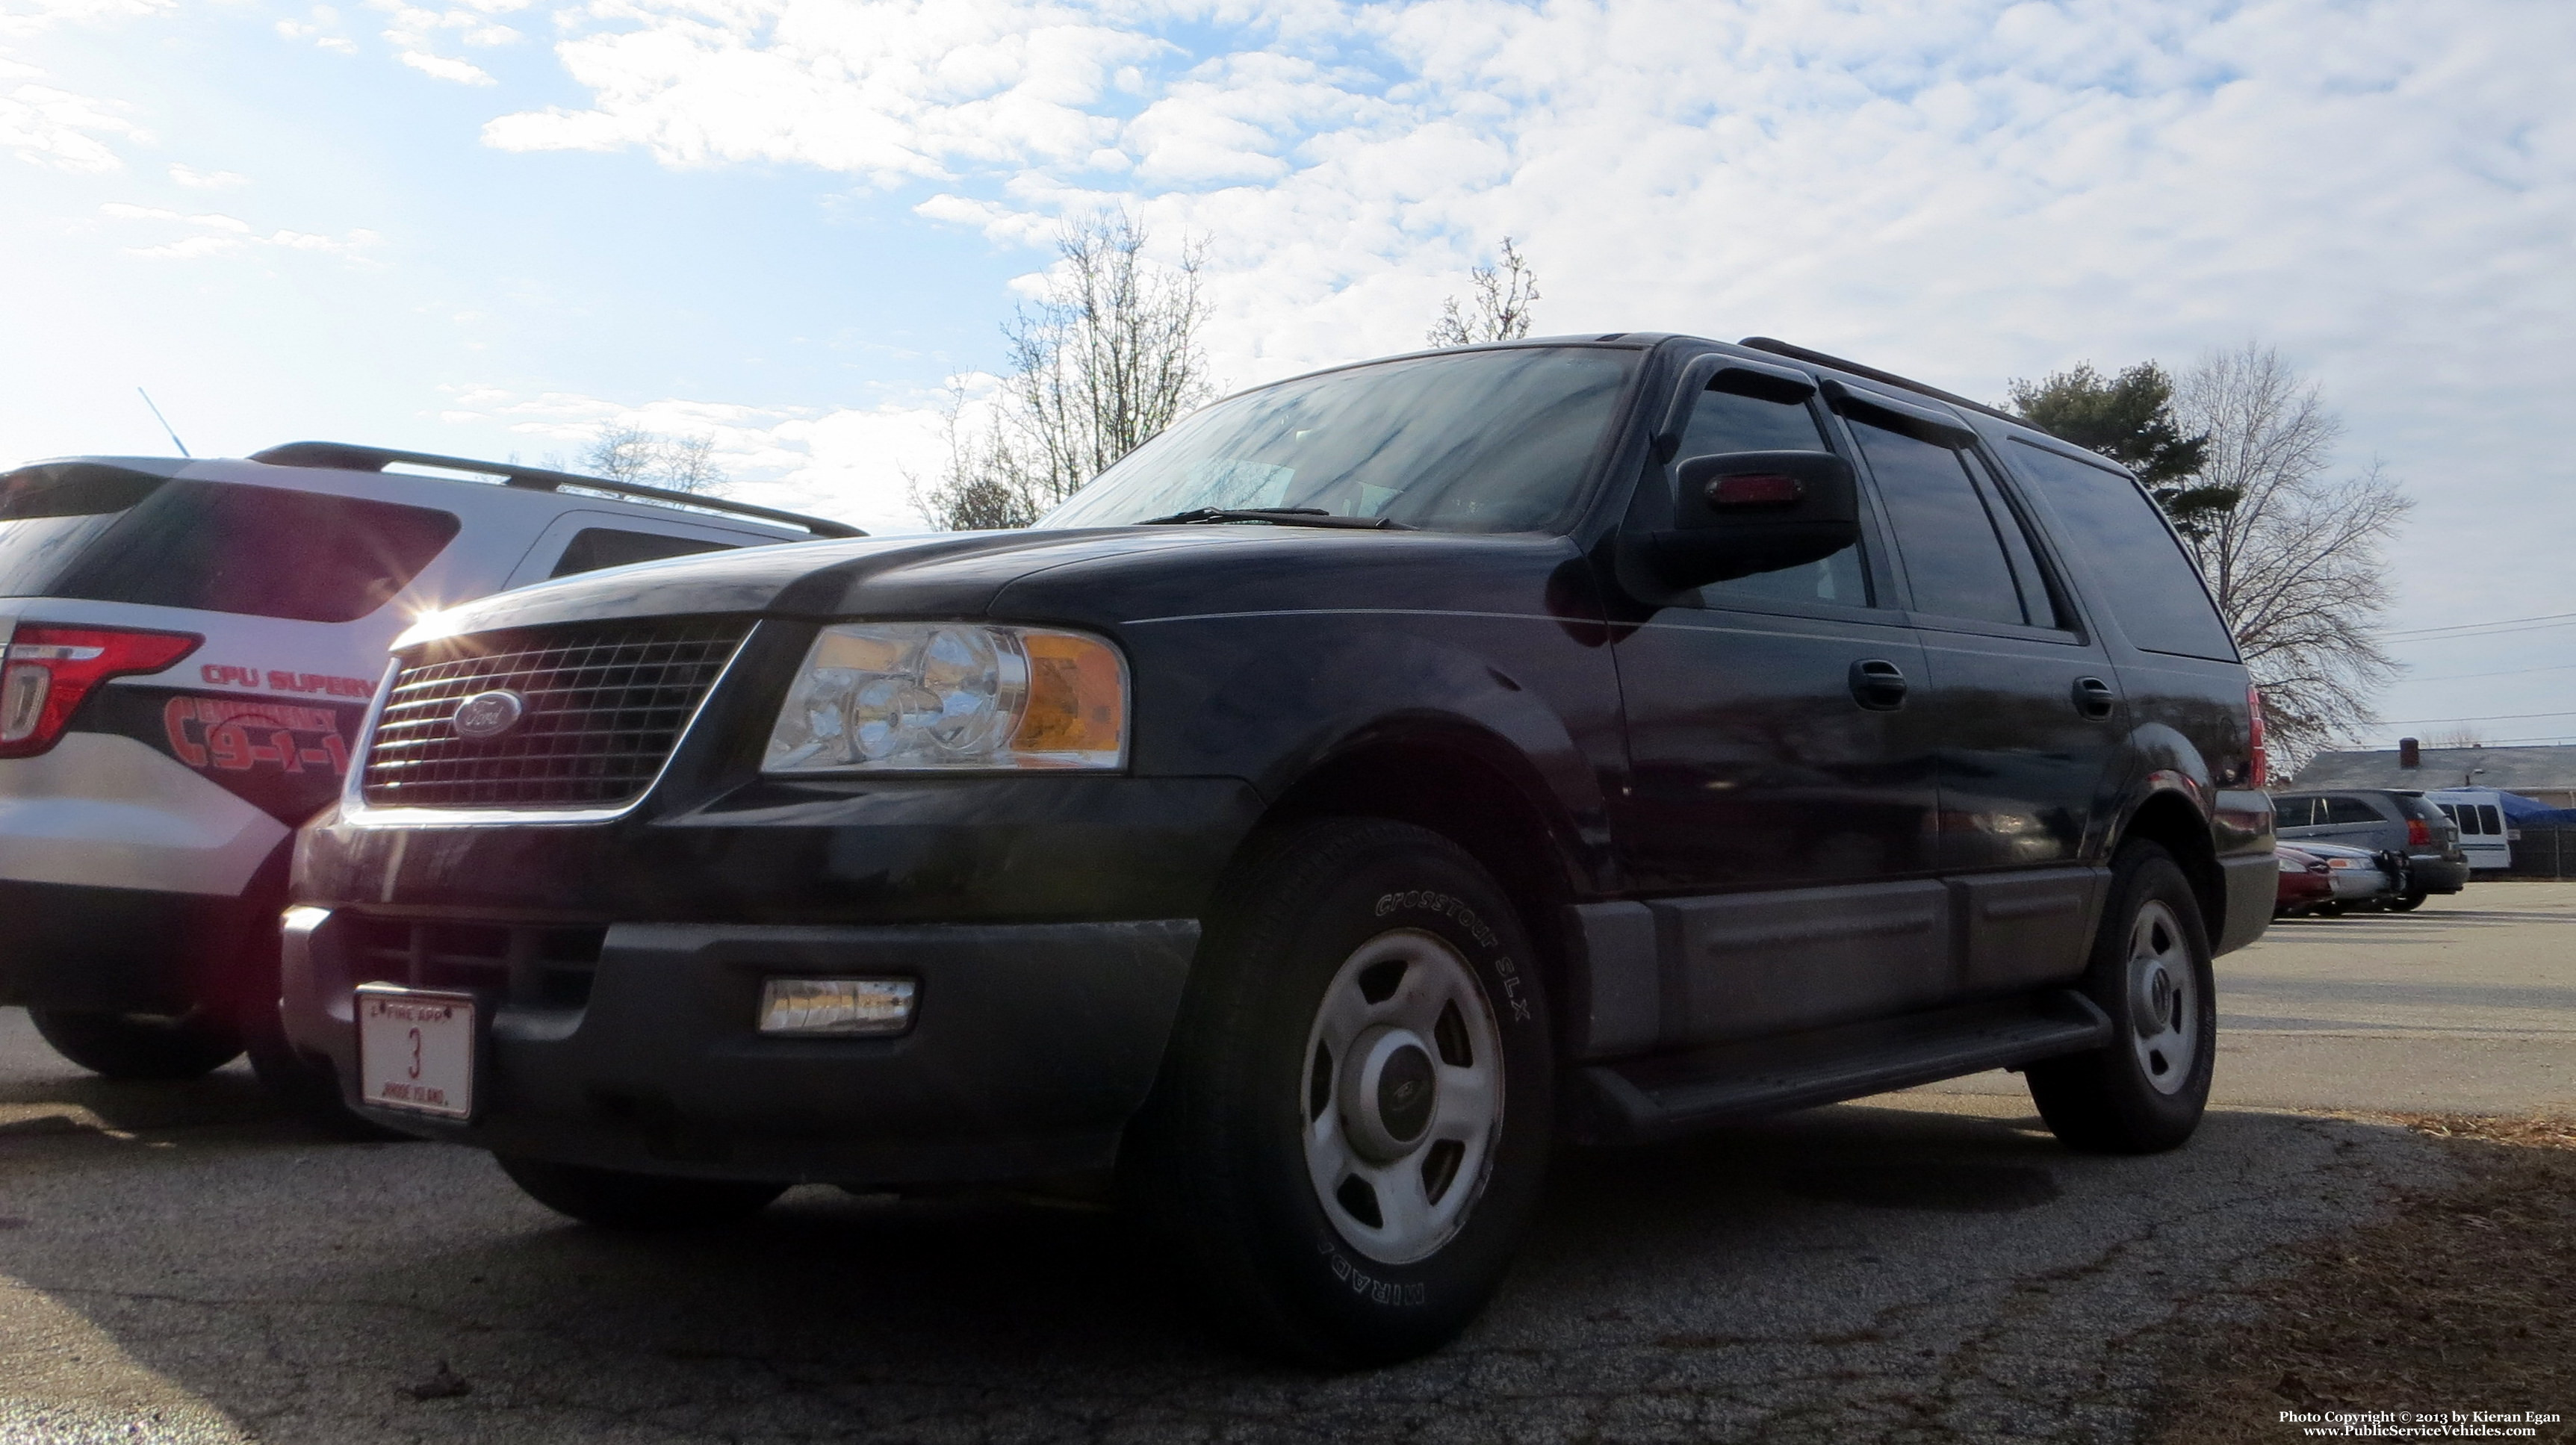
<point x="1470" y="787"/>
<point x="2170" y="819"/>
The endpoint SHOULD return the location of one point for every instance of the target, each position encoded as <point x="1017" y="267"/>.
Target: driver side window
<point x="1730" y="421"/>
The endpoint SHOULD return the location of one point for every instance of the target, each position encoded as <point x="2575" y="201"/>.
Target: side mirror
<point x="1746" y="512"/>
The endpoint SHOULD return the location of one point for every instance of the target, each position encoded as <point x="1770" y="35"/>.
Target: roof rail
<point x="349" y="457"/>
<point x="1782" y="348"/>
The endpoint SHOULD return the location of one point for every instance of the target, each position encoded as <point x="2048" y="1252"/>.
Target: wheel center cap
<point x="1406" y="1086"/>
<point x="1389" y="1090"/>
<point x="2155" y="1001"/>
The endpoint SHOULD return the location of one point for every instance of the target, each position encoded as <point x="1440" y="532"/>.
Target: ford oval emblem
<point x="488" y="714"/>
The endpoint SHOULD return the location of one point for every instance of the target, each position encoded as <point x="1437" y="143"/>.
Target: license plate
<point x="416" y="1050"/>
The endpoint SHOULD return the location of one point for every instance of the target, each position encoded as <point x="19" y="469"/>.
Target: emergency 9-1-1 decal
<point x="236" y="735"/>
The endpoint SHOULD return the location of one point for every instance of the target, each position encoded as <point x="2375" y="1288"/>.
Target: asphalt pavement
<point x="179" y="1263"/>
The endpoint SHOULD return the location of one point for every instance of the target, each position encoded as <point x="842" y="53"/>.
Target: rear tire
<point x="139" y="1046"/>
<point x="615" y="1199"/>
<point x="2145" y="1091"/>
<point x="1353" y="1120"/>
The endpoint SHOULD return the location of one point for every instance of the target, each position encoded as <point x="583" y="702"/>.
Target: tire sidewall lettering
<point x="1514" y="1005"/>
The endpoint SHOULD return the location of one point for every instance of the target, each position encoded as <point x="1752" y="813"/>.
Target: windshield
<point x="1480" y="441"/>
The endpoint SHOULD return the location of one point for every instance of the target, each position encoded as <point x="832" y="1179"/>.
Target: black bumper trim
<point x="1032" y="1046"/>
<point x="125" y="950"/>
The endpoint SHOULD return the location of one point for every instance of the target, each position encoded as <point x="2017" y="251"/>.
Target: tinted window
<point x="2351" y="810"/>
<point x="264" y="551"/>
<point x="2467" y="825"/>
<point x="2142" y="572"/>
<point x="2293" y="812"/>
<point x="50" y="514"/>
<point x="1726" y="421"/>
<point x="2038" y="605"/>
<point x="1954" y="558"/>
<point x="2492" y="818"/>
<point x="592" y="548"/>
<point x="1489" y="441"/>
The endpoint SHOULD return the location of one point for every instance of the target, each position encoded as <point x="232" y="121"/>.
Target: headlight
<point x="901" y="697"/>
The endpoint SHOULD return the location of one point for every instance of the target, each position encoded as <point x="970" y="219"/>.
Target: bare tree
<point x="2297" y="561"/>
<point x="623" y="453"/>
<point x="1108" y="358"/>
<point x="1497" y="309"/>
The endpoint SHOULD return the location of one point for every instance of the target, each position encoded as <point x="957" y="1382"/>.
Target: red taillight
<point x="2419" y="834"/>
<point x="2258" y="762"/>
<point x="46" y="671"/>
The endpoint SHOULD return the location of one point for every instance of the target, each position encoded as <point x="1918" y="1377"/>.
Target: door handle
<point x="2094" y="697"/>
<point x="1878" y="685"/>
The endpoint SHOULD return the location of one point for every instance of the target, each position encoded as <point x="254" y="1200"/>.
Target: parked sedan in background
<point x="2306" y="881"/>
<point x="2361" y="879"/>
<point x="2381" y="820"/>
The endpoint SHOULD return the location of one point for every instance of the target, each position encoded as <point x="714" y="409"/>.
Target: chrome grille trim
<point x="607" y="704"/>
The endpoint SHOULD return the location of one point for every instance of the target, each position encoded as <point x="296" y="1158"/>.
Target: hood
<point x="1101" y="576"/>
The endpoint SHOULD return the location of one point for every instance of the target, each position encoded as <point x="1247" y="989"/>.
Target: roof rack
<point x="1782" y="348"/>
<point x="349" y="457"/>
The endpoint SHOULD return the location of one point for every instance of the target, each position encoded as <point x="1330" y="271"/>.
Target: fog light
<point x="836" y="1005"/>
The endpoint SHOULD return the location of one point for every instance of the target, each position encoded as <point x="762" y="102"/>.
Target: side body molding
<point x="1683" y="972"/>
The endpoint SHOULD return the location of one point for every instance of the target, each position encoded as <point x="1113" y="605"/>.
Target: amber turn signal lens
<point x="1077" y="698"/>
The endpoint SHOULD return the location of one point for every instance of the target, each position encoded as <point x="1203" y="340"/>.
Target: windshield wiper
<point x="1281" y="516"/>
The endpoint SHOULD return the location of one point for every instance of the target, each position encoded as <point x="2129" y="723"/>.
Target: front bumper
<point x="1031" y="1046"/>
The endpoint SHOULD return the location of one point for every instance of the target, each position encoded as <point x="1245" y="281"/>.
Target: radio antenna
<point x="165" y="425"/>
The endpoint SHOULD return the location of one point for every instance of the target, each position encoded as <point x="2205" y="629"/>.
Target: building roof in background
<point x="2520" y="770"/>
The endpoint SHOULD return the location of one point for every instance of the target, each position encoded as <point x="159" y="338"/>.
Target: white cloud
<point x="319" y="31"/>
<point x="55" y="128"/>
<point x="44" y="126"/>
<point x="207" y="180"/>
<point x="229" y="234"/>
<point x="886" y="89"/>
<point x="441" y="67"/>
<point x="29" y="17"/>
<point x="414" y="30"/>
<point x="850" y="463"/>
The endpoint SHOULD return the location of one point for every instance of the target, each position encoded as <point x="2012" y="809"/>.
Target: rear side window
<point x="50" y="514"/>
<point x="2294" y="812"/>
<point x="1950" y="529"/>
<point x="260" y="551"/>
<point x="2146" y="579"/>
<point x="2492" y="818"/>
<point x="1730" y="421"/>
<point x="2351" y="810"/>
<point x="592" y="548"/>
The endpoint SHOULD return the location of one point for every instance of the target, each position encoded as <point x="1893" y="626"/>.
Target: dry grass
<point x="2463" y="1300"/>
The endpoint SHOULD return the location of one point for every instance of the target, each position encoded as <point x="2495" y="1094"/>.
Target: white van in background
<point x="2484" y="835"/>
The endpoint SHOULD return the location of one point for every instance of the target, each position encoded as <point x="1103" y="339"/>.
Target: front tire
<point x="2407" y="903"/>
<point x="615" y="1199"/>
<point x="1353" y="1120"/>
<point x="2145" y="1091"/>
<point x="139" y="1046"/>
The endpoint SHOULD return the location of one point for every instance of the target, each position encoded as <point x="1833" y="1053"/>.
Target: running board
<point x="1656" y="1098"/>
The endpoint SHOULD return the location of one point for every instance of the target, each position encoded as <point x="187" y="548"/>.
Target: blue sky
<point x="489" y="227"/>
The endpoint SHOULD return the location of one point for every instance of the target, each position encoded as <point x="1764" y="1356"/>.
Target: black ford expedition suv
<point x="1376" y="775"/>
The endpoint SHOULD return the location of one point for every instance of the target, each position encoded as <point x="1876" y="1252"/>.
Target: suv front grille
<point x="603" y="707"/>
<point x="531" y="965"/>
